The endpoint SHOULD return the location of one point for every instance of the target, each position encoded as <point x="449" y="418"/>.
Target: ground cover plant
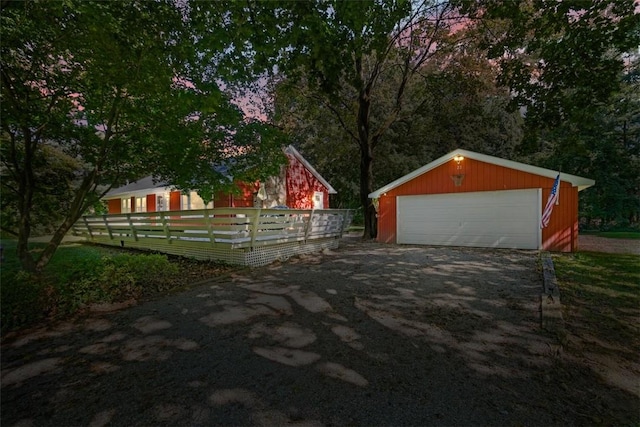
<point x="600" y="295"/>
<point x="80" y="275"/>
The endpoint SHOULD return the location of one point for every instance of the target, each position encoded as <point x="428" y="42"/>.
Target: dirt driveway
<point x="368" y="334"/>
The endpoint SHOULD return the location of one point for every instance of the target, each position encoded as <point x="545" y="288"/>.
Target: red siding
<point x="114" y="206"/>
<point x="560" y="235"/>
<point x="241" y="199"/>
<point x="222" y="200"/>
<point x="174" y="201"/>
<point x="301" y="185"/>
<point x="151" y="202"/>
<point x="245" y="198"/>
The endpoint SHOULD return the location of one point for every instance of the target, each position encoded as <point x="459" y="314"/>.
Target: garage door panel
<point x="501" y="219"/>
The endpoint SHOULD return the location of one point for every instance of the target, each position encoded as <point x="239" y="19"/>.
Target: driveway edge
<point x="550" y="306"/>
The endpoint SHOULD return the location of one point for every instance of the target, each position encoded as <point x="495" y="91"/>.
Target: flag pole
<point x="558" y="189"/>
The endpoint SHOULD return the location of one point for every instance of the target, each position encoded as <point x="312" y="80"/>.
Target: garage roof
<point x="576" y="181"/>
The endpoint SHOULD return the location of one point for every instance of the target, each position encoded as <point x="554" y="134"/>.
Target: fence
<point x="244" y="236"/>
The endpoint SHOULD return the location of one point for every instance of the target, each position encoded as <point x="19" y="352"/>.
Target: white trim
<point x="539" y="218"/>
<point x="291" y="150"/>
<point x="575" y="181"/>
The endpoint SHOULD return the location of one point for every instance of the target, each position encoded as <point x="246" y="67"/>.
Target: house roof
<point x="576" y="181"/>
<point x="149" y="182"/>
<point x="145" y="183"/>
<point x="291" y="150"/>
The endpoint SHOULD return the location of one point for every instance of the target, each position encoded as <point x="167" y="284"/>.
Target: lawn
<point x="600" y="295"/>
<point x="635" y="235"/>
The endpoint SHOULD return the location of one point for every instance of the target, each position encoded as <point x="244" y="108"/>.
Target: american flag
<point x="551" y="201"/>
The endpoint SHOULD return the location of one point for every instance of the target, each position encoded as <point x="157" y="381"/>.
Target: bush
<point x="78" y="277"/>
<point x="116" y="278"/>
<point x="23" y="300"/>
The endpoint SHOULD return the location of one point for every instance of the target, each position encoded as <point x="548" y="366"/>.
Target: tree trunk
<point x="366" y="179"/>
<point x="75" y="212"/>
<point x="25" y="191"/>
<point x="366" y="165"/>
<point x="24" y="231"/>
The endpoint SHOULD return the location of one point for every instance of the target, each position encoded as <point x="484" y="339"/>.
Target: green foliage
<point x="455" y="103"/>
<point x="76" y="277"/>
<point x="23" y="299"/>
<point x="603" y="145"/>
<point x="559" y="58"/>
<point x="98" y="93"/>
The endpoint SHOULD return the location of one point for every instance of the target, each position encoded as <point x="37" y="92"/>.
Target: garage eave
<point x="575" y="181"/>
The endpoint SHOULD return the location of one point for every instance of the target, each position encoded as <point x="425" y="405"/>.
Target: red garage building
<point x="471" y="199"/>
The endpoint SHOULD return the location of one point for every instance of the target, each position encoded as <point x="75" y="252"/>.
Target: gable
<point x="478" y="176"/>
<point x="482" y="168"/>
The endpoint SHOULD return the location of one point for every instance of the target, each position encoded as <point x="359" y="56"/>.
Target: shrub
<point x="80" y="276"/>
<point x="23" y="300"/>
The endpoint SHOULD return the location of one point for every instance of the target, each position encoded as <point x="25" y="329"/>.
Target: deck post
<point x="106" y="224"/>
<point x="163" y="217"/>
<point x="84" y="217"/>
<point x="133" y="229"/>
<point x="254" y="226"/>
<point x="308" y="226"/>
<point x="212" y="237"/>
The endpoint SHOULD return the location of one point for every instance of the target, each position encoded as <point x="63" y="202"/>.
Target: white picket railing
<point x="230" y="228"/>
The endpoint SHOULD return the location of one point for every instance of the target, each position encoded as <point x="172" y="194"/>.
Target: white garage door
<point x="491" y="219"/>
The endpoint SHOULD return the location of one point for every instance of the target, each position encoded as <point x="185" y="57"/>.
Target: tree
<point x="455" y="103"/>
<point x="605" y="146"/>
<point x="342" y="51"/>
<point x="560" y="59"/>
<point x="116" y="89"/>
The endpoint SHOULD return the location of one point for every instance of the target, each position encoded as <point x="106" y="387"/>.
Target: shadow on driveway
<point x="368" y="334"/>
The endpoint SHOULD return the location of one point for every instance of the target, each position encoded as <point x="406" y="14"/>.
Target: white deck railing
<point x="233" y="228"/>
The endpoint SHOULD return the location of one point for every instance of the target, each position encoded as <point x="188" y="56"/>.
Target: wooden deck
<point x="245" y="236"/>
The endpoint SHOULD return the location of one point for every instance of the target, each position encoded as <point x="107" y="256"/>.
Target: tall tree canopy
<point x="559" y="59"/>
<point x="97" y="93"/>
<point x="454" y="103"/>
<point x="342" y="51"/>
<point x="569" y="69"/>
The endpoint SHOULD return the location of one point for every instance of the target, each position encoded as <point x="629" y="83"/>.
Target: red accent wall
<point x="245" y="198"/>
<point x="561" y="234"/>
<point x="151" y="202"/>
<point x="174" y="201"/>
<point x="222" y="200"/>
<point x="301" y="184"/>
<point x="114" y="206"/>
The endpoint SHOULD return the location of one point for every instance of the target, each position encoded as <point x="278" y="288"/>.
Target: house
<point x="471" y="199"/>
<point x="299" y="186"/>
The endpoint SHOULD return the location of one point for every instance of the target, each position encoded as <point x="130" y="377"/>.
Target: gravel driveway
<point x="368" y="334"/>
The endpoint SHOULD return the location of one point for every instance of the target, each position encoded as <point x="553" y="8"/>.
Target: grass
<point x="79" y="275"/>
<point x="600" y="295"/>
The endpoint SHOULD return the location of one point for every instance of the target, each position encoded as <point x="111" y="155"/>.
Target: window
<point x="186" y="202"/>
<point x="126" y="205"/>
<point x="141" y="204"/>
<point x="197" y="202"/>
